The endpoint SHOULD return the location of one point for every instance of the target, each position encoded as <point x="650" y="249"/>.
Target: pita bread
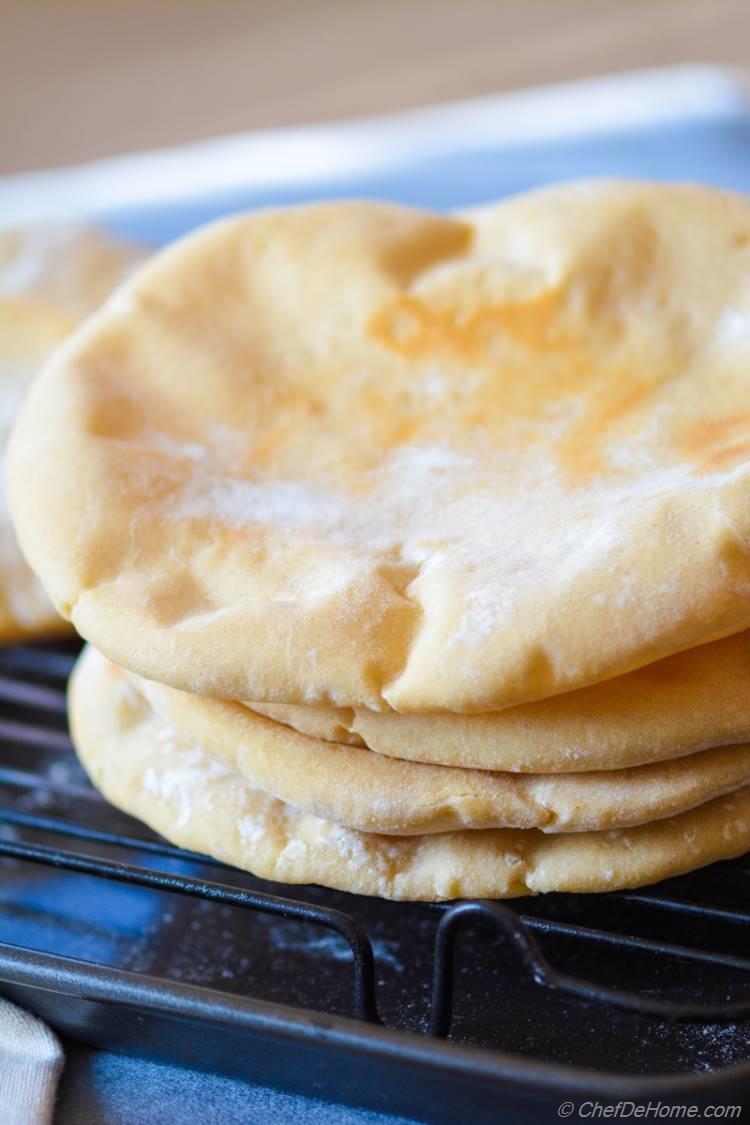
<point x="685" y="703"/>
<point x="357" y="788"/>
<point x="371" y="456"/>
<point x="51" y="277"/>
<point x="146" y="768"/>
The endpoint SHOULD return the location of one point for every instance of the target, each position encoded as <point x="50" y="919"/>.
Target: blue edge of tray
<point x="715" y="152"/>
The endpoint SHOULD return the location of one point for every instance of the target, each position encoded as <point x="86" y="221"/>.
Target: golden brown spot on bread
<point x="580" y="451"/>
<point x="725" y="456"/>
<point x="706" y="433"/>
<point x="414" y="329"/>
<point x="717" y="442"/>
<point x="619" y="404"/>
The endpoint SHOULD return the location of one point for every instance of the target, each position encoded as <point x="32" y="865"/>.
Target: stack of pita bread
<point x="413" y="551"/>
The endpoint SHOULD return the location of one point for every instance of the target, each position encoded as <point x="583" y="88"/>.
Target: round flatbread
<point x="365" y="455"/>
<point x="374" y="793"/>
<point x="145" y="767"/>
<point x="680" y="705"/>
<point x="51" y="278"/>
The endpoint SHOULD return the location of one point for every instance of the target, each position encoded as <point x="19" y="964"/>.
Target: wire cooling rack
<point x="122" y="940"/>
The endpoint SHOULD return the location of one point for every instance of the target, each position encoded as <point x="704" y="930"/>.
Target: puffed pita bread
<point x="51" y="278"/>
<point x="682" y="704"/>
<point x="374" y="793"/>
<point x="366" y="455"/>
<point x="146" y="768"/>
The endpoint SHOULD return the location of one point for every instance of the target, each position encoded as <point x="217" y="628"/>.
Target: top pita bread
<point x="366" y="455"/>
<point x="51" y="277"/>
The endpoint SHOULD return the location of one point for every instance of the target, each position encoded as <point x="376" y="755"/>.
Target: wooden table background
<point x="86" y="78"/>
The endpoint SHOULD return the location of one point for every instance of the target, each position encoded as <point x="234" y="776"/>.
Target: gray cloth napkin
<point x="31" y="1060"/>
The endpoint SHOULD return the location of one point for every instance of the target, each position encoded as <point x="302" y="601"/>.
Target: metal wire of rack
<point x="37" y="768"/>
